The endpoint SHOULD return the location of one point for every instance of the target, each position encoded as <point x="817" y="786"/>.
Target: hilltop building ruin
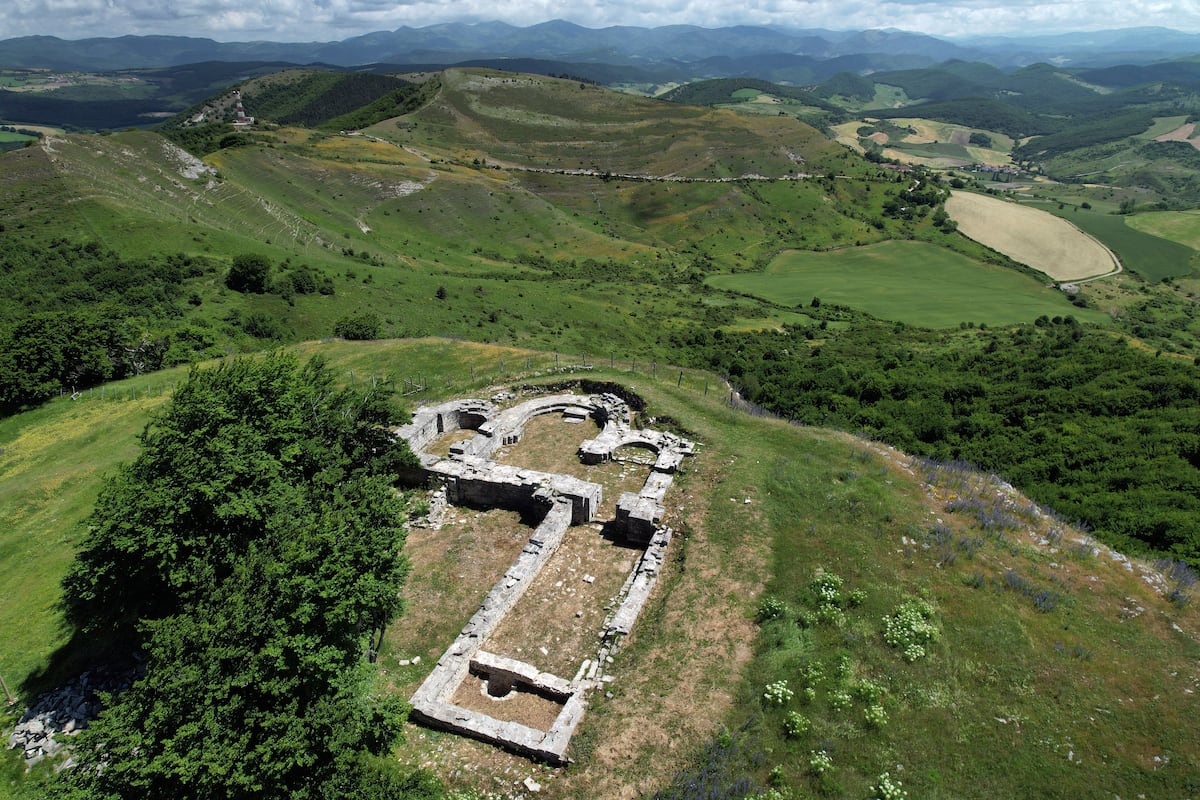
<point x="470" y="476"/>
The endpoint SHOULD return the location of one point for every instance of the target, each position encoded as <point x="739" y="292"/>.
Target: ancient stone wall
<point x="471" y="478"/>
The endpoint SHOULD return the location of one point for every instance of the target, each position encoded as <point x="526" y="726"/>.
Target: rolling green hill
<point x="508" y="229"/>
<point x="1069" y="124"/>
<point x="724" y="90"/>
<point x="1033" y="628"/>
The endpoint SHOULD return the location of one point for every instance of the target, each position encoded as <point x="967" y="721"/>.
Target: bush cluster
<point x="777" y="693"/>
<point x="909" y="629"/>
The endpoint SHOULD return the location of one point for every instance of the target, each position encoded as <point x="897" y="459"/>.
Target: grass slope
<point x="909" y="282"/>
<point x="542" y="122"/>
<point x="560" y="261"/>
<point x="1057" y="668"/>
<point x="1177" y="226"/>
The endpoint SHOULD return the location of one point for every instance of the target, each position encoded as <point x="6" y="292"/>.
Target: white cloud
<point x="323" y="20"/>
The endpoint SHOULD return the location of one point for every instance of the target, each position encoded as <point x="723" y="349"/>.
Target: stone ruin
<point x="471" y="477"/>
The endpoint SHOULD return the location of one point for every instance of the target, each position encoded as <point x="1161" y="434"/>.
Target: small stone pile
<point x="65" y="712"/>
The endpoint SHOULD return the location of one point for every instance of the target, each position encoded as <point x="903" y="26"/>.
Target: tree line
<point x="1085" y="423"/>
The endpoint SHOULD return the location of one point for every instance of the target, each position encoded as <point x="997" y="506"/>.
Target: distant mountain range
<point x="688" y="50"/>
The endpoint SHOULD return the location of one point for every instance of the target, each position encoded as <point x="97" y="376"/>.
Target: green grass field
<point x="1182" y="227"/>
<point x="1163" y="125"/>
<point x="51" y="463"/>
<point x="933" y="150"/>
<point x="1141" y="251"/>
<point x="910" y="282"/>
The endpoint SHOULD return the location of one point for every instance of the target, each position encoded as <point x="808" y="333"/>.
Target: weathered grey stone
<point x="471" y="477"/>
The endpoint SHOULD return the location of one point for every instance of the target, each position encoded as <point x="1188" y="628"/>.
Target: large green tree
<point x="248" y="552"/>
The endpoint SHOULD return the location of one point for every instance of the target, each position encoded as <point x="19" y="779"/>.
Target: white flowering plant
<point x="777" y="693"/>
<point x="795" y="724"/>
<point x="820" y="762"/>
<point x="887" y="788"/>
<point x="910" y="629"/>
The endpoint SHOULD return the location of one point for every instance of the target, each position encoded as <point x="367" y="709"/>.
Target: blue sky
<point x="327" y="20"/>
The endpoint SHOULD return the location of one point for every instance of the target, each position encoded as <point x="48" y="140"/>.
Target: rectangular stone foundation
<point x="471" y="478"/>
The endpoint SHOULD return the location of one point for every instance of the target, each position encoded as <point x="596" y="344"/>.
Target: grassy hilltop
<point x="488" y="229"/>
<point x="1056" y="665"/>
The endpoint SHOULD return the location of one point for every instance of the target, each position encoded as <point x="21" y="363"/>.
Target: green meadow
<point x="1177" y="226"/>
<point x="910" y="282"/>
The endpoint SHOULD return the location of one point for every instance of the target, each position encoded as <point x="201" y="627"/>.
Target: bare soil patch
<point x="1049" y="244"/>
<point x="442" y="444"/>
<point x="670" y="697"/>
<point x="453" y="568"/>
<point x="1181" y="134"/>
<point x="551" y="444"/>
<point x="556" y="626"/>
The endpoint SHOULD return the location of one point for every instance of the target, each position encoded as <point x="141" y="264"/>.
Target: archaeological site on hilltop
<point x="478" y="687"/>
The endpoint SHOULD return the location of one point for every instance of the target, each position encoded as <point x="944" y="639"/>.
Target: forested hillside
<point x="1093" y="428"/>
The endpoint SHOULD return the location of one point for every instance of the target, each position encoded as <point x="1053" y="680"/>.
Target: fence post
<point x="680" y="381"/>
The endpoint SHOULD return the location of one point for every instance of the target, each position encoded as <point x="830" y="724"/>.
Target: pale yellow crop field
<point x="1036" y="238"/>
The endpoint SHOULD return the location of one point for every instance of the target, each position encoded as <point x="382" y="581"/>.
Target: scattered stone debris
<point x="66" y="711"/>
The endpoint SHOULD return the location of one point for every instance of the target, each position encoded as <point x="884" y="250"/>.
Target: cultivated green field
<point x="1163" y="125"/>
<point x="1140" y="249"/>
<point x="1182" y="227"/>
<point x="909" y="282"/>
